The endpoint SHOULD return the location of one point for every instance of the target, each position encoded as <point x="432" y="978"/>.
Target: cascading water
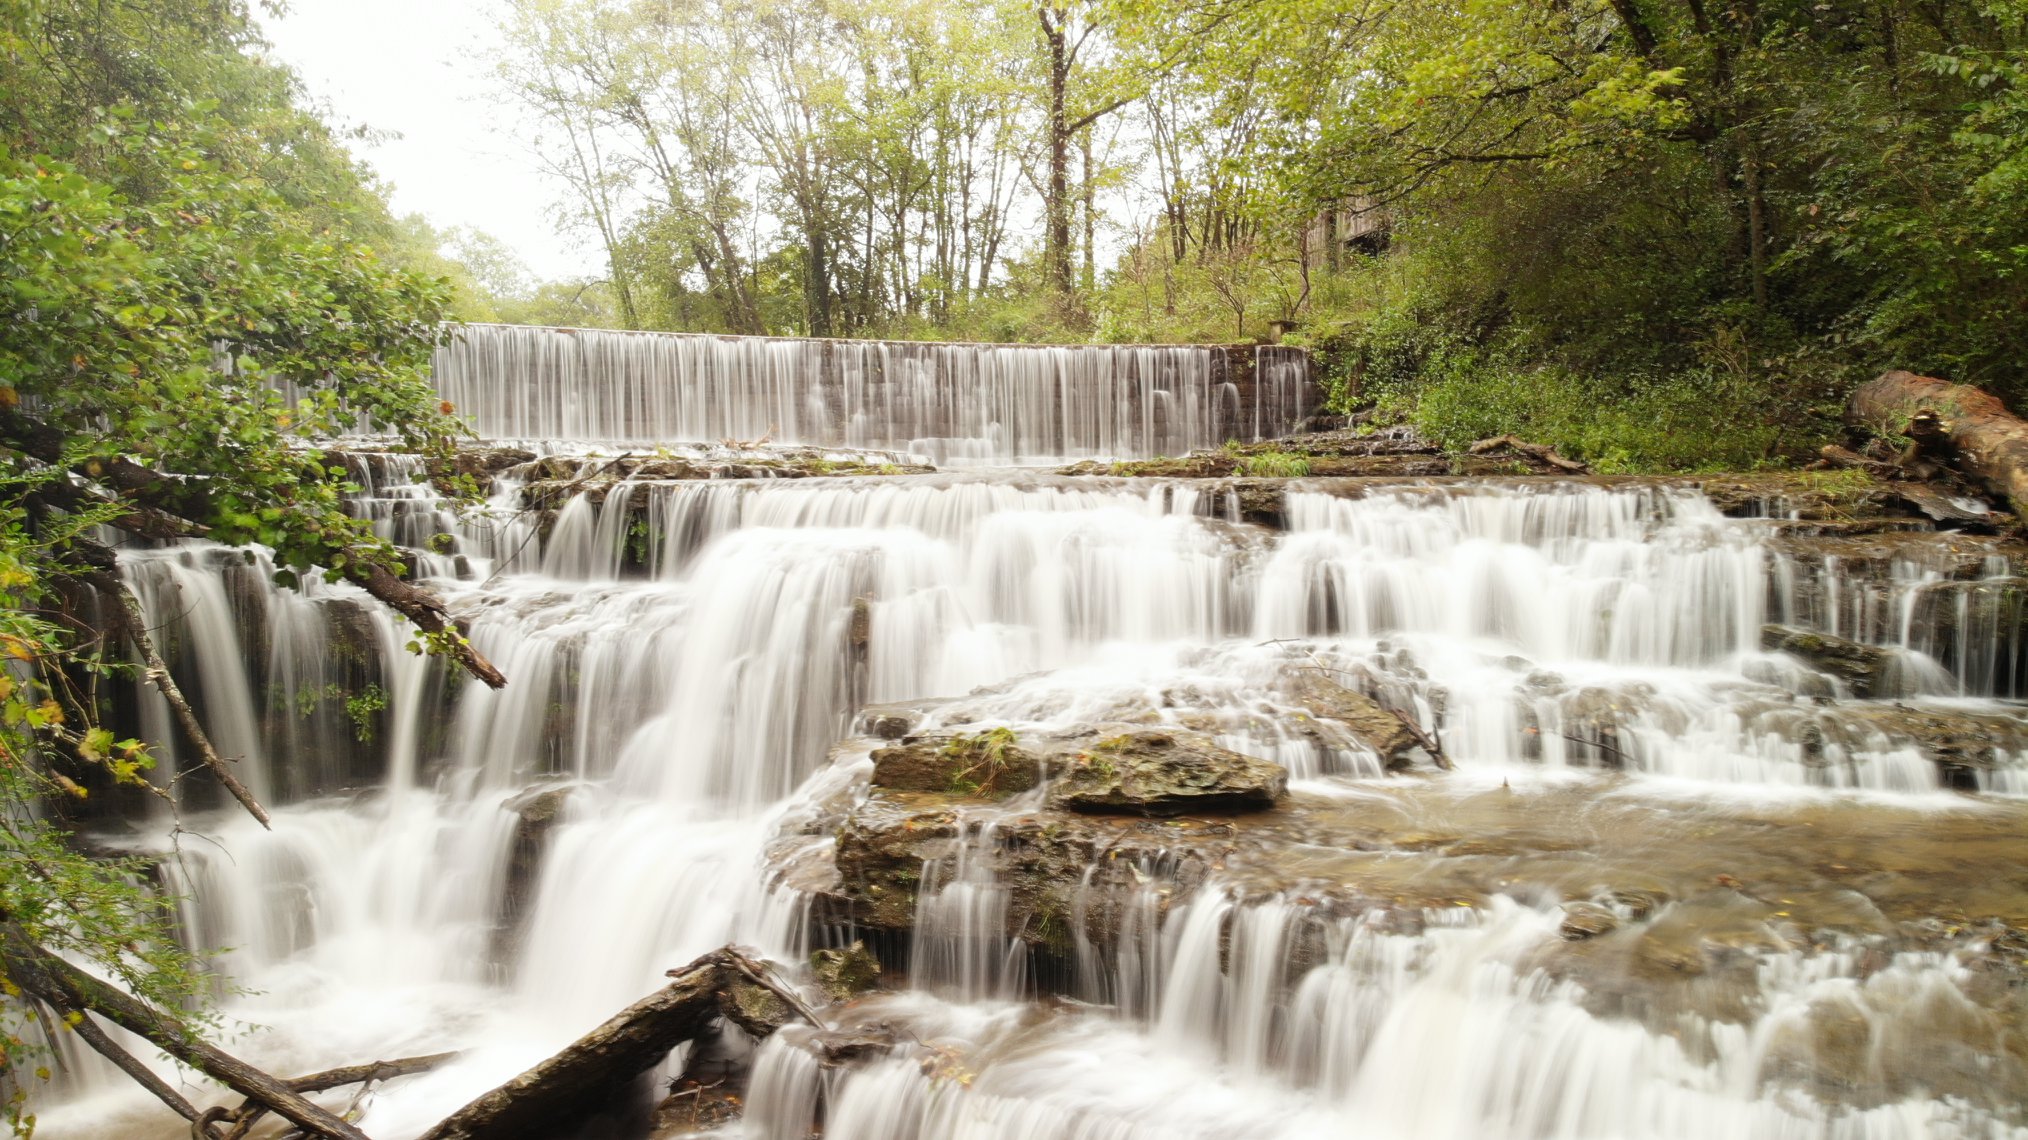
<point x="496" y="872"/>
<point x="955" y="403"/>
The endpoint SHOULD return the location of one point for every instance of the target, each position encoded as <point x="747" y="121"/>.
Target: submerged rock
<point x="1166" y="773"/>
<point x="1582" y="920"/>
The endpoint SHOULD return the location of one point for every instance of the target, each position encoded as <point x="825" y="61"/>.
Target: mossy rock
<point x="990" y="764"/>
<point x="1165" y="773"/>
<point x="845" y="973"/>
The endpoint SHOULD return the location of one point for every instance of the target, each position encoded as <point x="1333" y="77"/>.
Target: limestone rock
<point x="1166" y="773"/>
<point x="990" y="764"/>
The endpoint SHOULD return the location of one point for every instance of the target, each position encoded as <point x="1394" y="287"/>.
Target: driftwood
<point x="587" y="1073"/>
<point x="575" y="1082"/>
<point x="250" y="1112"/>
<point x="1540" y="453"/>
<point x="50" y="979"/>
<point x="1833" y="456"/>
<point x="1968" y="426"/>
<point x="1426" y="738"/>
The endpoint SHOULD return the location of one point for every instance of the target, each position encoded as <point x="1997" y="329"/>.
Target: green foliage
<point x="100" y="910"/>
<point x="364" y="709"/>
<point x="1275" y="464"/>
<point x="180" y="244"/>
<point x="1623" y="425"/>
<point x="988" y="755"/>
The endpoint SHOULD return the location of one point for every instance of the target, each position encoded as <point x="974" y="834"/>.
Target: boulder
<point x="1863" y="668"/>
<point x="1163" y="774"/>
<point x="845" y="973"/>
<point x="1367" y="720"/>
<point x="989" y="764"/>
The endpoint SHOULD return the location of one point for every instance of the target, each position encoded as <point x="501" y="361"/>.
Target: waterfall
<point x="692" y="662"/>
<point x="954" y="403"/>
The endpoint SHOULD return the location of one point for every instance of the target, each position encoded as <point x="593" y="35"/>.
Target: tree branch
<point x="158" y="674"/>
<point x="51" y="979"/>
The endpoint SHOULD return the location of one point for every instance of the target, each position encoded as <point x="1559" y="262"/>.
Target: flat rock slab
<point x="1164" y="773"/>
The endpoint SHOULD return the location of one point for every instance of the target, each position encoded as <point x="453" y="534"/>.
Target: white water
<point x="687" y="692"/>
<point x="952" y="402"/>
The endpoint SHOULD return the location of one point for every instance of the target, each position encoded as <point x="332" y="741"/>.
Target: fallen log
<point x="1540" y="453"/>
<point x="250" y="1113"/>
<point x="588" y="1073"/>
<point x="48" y="978"/>
<point x="1969" y="426"/>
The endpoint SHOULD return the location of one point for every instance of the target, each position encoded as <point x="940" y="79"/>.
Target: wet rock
<point x="1582" y="920"/>
<point x="755" y="1008"/>
<point x="1260" y="501"/>
<point x="1367" y="720"/>
<point x="990" y="763"/>
<point x="1053" y="864"/>
<point x="1834" y="496"/>
<point x="536" y="812"/>
<point x="1637" y="903"/>
<point x="844" y="1047"/>
<point x="481" y="465"/>
<point x="1199" y="466"/>
<point x="1959" y="742"/>
<point x="881" y="849"/>
<point x="698" y="1104"/>
<point x="1946" y="507"/>
<point x="1166" y="773"/>
<point x="887" y="726"/>
<point x="1863" y="668"/>
<point x="1382" y="466"/>
<point x="859" y="637"/>
<point x="845" y="973"/>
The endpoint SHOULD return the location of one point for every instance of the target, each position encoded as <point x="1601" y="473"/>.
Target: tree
<point x="178" y="245"/>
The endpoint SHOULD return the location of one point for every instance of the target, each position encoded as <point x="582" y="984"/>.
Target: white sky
<point x="415" y="68"/>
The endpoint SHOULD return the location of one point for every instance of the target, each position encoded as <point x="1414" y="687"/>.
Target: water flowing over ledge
<point x="956" y="403"/>
<point x="693" y="661"/>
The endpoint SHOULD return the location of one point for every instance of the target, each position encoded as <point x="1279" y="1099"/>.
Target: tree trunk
<point x="587" y="1074"/>
<point x="1056" y="199"/>
<point x="1981" y="437"/>
<point x="1090" y="216"/>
